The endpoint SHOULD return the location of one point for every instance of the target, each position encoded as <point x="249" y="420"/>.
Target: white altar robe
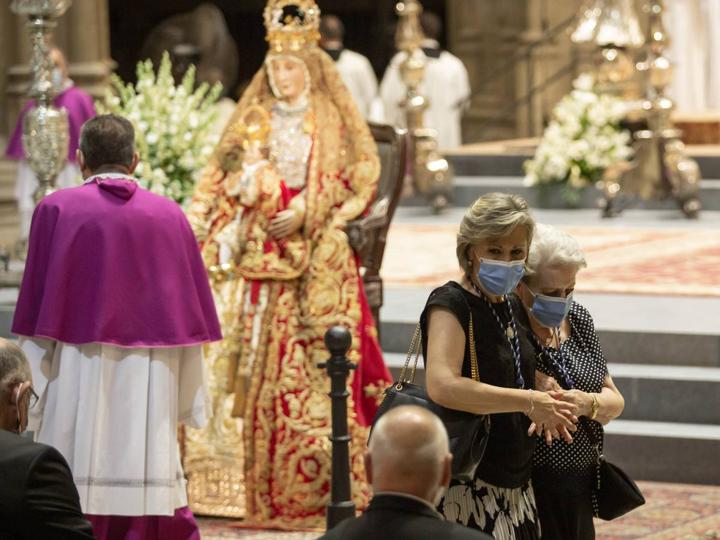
<point x="26" y="184"/>
<point x="447" y="87"/>
<point x="712" y="16"/>
<point x="358" y="75"/>
<point x="694" y="31"/>
<point x="112" y="412"/>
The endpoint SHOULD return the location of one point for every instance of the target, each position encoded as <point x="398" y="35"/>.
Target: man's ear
<point x="80" y="159"/>
<point x="134" y="164"/>
<point x="447" y="471"/>
<point x="368" y="467"/>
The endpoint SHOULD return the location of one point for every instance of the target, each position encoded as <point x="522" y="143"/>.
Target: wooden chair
<point x="368" y="234"/>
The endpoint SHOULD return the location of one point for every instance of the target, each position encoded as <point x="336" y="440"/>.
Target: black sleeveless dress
<point x="500" y="500"/>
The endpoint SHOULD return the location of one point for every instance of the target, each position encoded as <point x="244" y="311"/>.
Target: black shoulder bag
<point x="468" y="432"/>
<point x="615" y="494"/>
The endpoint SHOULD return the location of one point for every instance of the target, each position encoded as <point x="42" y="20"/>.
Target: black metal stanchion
<point x="338" y="341"/>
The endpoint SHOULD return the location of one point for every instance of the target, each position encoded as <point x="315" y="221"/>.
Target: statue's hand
<point x="285" y="223"/>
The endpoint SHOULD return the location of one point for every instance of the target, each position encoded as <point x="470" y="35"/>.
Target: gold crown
<point x="292" y="25"/>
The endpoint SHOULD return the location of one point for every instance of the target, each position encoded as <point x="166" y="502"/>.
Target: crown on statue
<point x="292" y="25"/>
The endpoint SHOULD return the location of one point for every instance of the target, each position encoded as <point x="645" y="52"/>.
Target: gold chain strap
<point x="474" y="370"/>
<point x="415" y="350"/>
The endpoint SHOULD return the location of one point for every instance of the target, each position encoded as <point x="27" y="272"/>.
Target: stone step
<point x="633" y="329"/>
<point x="619" y="347"/>
<point x="664" y="451"/>
<point x="652" y="393"/>
<point x="468" y="188"/>
<point x="669" y="429"/>
<point x="468" y="164"/>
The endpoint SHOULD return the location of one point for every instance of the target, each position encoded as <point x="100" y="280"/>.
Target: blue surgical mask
<point x="499" y="277"/>
<point x="550" y="311"/>
<point x="57" y="78"/>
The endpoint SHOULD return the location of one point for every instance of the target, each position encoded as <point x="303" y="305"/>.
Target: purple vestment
<point x="110" y="262"/>
<point x="80" y="109"/>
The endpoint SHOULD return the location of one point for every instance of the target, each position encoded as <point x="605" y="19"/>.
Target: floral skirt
<point x="504" y="513"/>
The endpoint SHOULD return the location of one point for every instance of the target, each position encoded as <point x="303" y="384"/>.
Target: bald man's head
<point x="408" y="453"/>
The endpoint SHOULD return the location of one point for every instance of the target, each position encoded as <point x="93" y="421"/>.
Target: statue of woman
<point x="296" y="163"/>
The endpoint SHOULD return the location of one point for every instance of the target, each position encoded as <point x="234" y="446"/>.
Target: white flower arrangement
<point x="173" y="126"/>
<point x="583" y="139"/>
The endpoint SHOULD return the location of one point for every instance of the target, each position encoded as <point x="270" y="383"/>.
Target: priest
<point x="446" y="85"/>
<point x="354" y="68"/>
<point x="80" y="108"/>
<point x="113" y="311"/>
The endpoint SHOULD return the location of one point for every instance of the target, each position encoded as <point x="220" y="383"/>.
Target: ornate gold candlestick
<point x="431" y="172"/>
<point x="45" y="127"/>
<point x="661" y="168"/>
<point x="613" y="29"/>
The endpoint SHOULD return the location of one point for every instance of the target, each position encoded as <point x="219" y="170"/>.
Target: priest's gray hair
<point x="14" y="367"/>
<point x="491" y="216"/>
<point x="552" y="247"/>
<point x="107" y="139"/>
<point x="409" y="441"/>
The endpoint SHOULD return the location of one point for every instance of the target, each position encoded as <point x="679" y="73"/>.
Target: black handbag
<point x="468" y="433"/>
<point x="615" y="493"/>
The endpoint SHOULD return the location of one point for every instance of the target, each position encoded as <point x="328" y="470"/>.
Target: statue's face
<point x="288" y="75"/>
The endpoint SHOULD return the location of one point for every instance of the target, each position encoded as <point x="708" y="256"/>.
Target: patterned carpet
<point x="672" y="512"/>
<point x="620" y="259"/>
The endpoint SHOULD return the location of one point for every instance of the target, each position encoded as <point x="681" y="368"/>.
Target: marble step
<point x="665" y="451"/>
<point x="468" y="188"/>
<point x="633" y="329"/>
<point x="670" y="428"/>
<point x="620" y="347"/>
<point x="468" y="164"/>
<point x="652" y="393"/>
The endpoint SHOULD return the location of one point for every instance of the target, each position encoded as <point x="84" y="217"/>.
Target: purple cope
<point x="110" y="262"/>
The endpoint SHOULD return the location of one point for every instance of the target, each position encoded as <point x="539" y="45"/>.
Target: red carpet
<point x="620" y="259"/>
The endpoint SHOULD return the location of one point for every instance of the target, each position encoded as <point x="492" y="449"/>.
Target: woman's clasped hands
<point x="552" y="417"/>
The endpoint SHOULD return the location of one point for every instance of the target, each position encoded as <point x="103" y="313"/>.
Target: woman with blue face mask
<point x="492" y="247"/>
<point x="567" y="350"/>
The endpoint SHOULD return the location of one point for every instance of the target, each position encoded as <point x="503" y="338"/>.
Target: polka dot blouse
<point x="578" y="364"/>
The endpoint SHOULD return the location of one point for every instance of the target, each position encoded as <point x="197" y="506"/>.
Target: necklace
<point x="556" y="358"/>
<point x="509" y="331"/>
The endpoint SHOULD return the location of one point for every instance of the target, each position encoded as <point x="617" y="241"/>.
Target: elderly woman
<point x="567" y="350"/>
<point x="492" y="247"/>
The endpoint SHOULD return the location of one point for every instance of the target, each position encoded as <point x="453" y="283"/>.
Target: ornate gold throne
<point x="368" y="234"/>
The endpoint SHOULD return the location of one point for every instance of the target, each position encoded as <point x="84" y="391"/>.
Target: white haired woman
<point x="568" y="350"/>
<point x="492" y="247"/>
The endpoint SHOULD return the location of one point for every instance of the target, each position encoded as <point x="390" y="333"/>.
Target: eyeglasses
<point x="34" y="398"/>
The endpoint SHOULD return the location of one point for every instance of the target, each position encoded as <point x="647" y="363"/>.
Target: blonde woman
<point x="492" y="247"/>
<point x="569" y="351"/>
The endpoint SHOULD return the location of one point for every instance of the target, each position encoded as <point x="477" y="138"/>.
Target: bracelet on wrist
<point x="532" y="405"/>
<point x="594" y="407"/>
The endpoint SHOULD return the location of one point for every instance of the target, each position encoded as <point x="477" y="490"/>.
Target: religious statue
<point x="296" y="163"/>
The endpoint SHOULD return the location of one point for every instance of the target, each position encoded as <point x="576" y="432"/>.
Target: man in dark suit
<point x="38" y="499"/>
<point x="408" y="465"/>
